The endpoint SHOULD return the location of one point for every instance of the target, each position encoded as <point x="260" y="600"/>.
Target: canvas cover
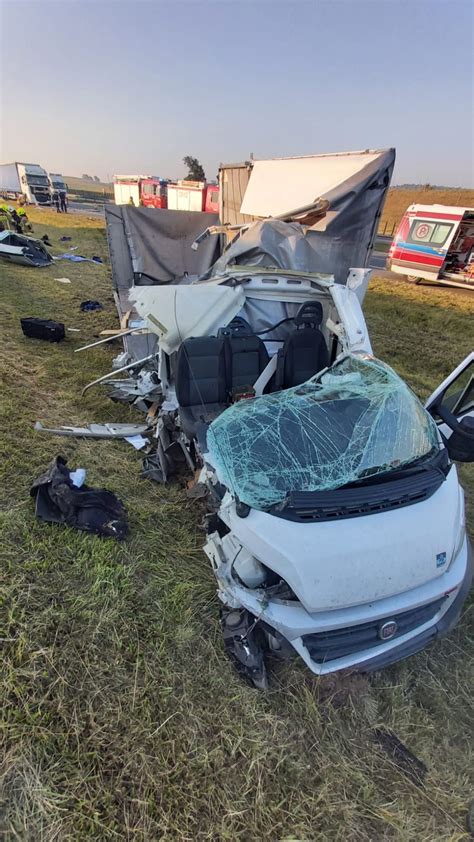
<point x="153" y="246"/>
<point x="354" y="184"/>
<point x="279" y="185"/>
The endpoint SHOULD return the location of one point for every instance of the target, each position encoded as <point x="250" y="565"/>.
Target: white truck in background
<point x="29" y="181"/>
<point x="56" y="183"/>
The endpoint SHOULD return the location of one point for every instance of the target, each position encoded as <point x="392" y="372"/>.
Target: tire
<point x="414" y="279"/>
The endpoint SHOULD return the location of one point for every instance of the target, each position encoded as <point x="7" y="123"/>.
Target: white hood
<point x="358" y="560"/>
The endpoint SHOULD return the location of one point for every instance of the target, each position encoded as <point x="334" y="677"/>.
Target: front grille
<point x="338" y="643"/>
<point x="381" y="496"/>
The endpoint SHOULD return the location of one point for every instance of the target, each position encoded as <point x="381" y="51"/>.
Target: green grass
<point x="122" y="718"/>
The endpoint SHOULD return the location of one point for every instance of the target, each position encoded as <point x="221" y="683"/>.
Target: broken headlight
<point x="253" y="574"/>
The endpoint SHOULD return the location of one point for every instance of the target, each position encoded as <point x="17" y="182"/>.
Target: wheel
<point x="414" y="278"/>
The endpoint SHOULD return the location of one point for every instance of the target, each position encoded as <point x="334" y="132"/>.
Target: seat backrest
<point x="247" y="357"/>
<point x="201" y="371"/>
<point x="305" y="351"/>
<point x="304" y="354"/>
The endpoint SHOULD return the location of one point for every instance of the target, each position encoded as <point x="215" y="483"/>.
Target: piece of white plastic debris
<point x="63" y="280"/>
<point x="74" y="329"/>
<point x="136" y="441"/>
<point x="78" y="476"/>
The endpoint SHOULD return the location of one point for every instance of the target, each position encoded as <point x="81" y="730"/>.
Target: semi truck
<point x="56" y="183"/>
<point x="147" y="190"/>
<point x="28" y="181"/>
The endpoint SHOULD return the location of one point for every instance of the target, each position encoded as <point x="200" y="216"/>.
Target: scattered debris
<point x="63" y="280"/>
<point x="78" y="258"/>
<point x="88" y="306"/>
<point x="42" y="329"/>
<point x="45" y="239"/>
<point x="136" y="441"/>
<point x="59" y="500"/>
<point x="404" y="759"/>
<point x="137" y="364"/>
<point x="96" y="431"/>
<point x="65" y="239"/>
<point x="27" y="251"/>
<point x="74" y="329"/>
<point x="111" y="335"/>
<point x="78" y="476"/>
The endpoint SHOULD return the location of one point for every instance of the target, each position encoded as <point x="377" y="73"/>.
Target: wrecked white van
<point x="336" y="522"/>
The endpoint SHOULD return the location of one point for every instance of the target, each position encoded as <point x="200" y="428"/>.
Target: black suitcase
<point x="43" y="329"/>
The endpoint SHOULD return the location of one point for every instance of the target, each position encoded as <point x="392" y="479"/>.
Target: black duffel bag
<point x="43" y="329"/>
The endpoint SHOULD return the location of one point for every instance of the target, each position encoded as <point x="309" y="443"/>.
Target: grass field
<point x="122" y="718"/>
<point x="74" y="183"/>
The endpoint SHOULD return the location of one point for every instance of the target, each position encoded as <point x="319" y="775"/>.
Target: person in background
<point x="55" y="200"/>
<point x="16" y="220"/>
<point x="63" y="202"/>
<point x="131" y="202"/>
<point x="25" y="222"/>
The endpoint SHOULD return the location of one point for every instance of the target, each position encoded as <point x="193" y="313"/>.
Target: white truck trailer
<point x="28" y="180"/>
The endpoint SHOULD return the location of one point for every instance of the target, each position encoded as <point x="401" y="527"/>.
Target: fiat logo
<point x="388" y="630"/>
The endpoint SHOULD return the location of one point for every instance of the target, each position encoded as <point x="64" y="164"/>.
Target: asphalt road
<point x="378" y="260"/>
<point x="90" y="208"/>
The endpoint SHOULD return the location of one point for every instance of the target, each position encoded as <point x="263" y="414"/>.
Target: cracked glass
<point x="357" y="420"/>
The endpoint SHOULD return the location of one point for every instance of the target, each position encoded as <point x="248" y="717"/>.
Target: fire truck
<point x="147" y="190"/>
<point x="193" y="196"/>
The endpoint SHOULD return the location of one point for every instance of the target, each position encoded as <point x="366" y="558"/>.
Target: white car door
<point x="452" y="407"/>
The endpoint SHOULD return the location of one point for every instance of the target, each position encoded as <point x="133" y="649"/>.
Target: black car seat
<point x="201" y="381"/>
<point x="247" y="357"/>
<point x="304" y="352"/>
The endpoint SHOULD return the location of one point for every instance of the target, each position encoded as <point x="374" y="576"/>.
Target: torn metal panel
<point x="175" y="313"/>
<point x="354" y="184"/>
<point x="278" y="184"/>
<point x="135" y="364"/>
<point x="96" y="431"/>
<point x="27" y="251"/>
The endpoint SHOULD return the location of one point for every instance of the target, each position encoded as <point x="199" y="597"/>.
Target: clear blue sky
<point x="107" y="87"/>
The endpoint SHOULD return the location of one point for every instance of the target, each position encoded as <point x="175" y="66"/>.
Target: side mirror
<point x="460" y="445"/>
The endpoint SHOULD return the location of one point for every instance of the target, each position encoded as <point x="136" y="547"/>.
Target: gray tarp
<point x="153" y="246"/>
<point x="150" y="246"/>
<point x="343" y="239"/>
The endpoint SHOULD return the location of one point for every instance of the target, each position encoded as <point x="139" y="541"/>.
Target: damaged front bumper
<point x="363" y="638"/>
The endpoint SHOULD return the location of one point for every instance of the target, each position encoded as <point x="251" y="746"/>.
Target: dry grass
<point x="74" y="183"/>
<point x="122" y="718"/>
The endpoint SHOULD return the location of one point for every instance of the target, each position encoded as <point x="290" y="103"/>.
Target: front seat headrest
<point x="310" y="313"/>
<point x="237" y="327"/>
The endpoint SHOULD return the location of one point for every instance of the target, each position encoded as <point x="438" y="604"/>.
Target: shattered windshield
<point x="357" y="420"/>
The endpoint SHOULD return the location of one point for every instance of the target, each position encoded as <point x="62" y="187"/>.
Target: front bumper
<point x="440" y="628"/>
<point x="292" y="623"/>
